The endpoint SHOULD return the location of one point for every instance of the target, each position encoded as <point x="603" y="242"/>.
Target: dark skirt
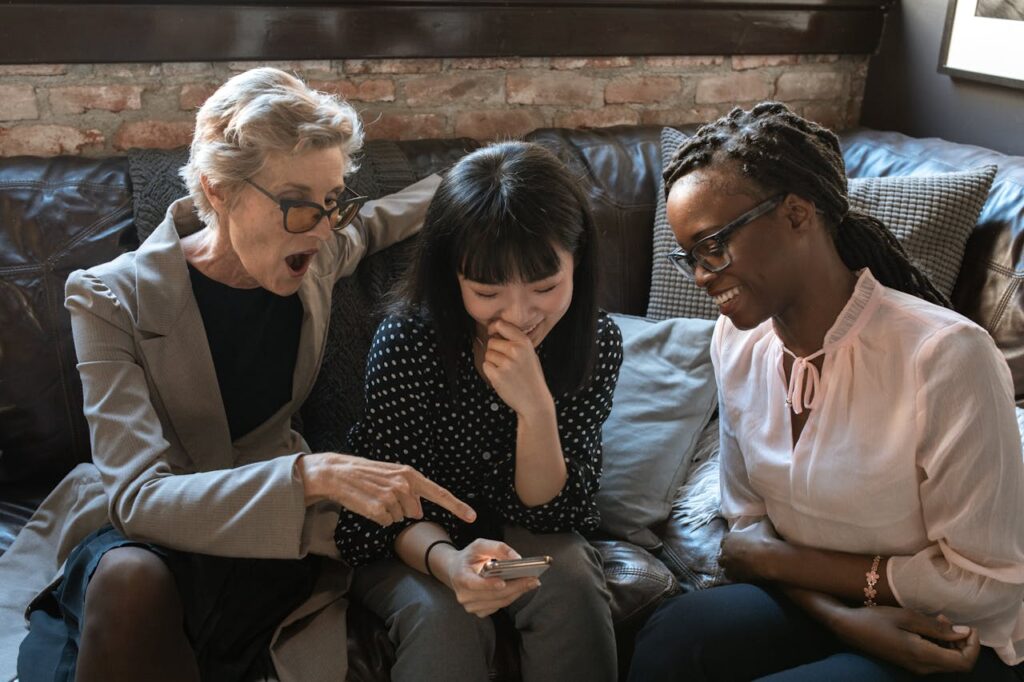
<point x="231" y="607"/>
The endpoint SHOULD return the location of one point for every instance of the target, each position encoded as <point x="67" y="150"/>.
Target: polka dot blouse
<point x="466" y="441"/>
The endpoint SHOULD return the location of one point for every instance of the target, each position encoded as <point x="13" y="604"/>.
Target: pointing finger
<point x="429" y="490"/>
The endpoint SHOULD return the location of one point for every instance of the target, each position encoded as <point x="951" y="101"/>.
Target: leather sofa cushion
<point x="56" y="215"/>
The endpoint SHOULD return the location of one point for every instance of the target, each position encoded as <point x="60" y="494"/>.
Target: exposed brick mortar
<point x="445" y="97"/>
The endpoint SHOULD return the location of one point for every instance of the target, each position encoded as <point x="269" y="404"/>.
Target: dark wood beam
<point x="260" y="29"/>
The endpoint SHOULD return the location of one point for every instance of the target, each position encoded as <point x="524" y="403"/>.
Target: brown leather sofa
<point x="61" y="214"/>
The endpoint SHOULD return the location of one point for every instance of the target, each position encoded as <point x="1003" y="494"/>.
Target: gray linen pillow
<point x="665" y="396"/>
<point x="931" y="215"/>
<point x="672" y="295"/>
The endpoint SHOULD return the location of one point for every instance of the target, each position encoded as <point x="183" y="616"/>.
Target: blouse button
<point x="487" y="455"/>
<point x="494" y="407"/>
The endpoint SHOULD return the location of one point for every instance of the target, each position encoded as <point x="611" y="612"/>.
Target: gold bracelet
<point x="870" y="592"/>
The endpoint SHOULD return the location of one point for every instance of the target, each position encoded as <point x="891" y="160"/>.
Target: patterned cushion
<point x="672" y="295"/>
<point x="931" y="215"/>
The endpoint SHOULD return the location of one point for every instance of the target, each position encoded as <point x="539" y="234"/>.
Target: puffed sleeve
<point x="580" y="417"/>
<point x="384" y="222"/>
<point x="741" y="506"/>
<point x="402" y="379"/>
<point x="255" y="510"/>
<point x="972" y="490"/>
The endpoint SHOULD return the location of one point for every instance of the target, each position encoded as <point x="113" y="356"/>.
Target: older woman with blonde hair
<point x="194" y="542"/>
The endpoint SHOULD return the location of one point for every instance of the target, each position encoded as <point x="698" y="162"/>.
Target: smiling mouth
<point x="298" y="262"/>
<point x="726" y="296"/>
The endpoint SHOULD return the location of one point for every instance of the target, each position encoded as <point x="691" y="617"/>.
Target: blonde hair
<point x="256" y="113"/>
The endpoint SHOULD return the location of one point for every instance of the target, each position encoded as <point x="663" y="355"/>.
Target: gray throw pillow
<point x="672" y="295"/>
<point x="931" y="215"/>
<point x="665" y="396"/>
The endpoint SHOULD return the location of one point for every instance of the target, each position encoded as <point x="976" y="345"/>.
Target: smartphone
<point x="507" y="569"/>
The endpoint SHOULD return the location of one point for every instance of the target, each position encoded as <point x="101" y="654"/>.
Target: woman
<point x="205" y="509"/>
<point x="493" y="377"/>
<point x="871" y="465"/>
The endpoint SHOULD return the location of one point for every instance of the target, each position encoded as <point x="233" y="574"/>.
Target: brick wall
<point x="102" y="109"/>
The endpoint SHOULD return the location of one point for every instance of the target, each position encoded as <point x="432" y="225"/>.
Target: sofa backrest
<point x="64" y="213"/>
<point x="620" y="170"/>
<point x="56" y="215"/>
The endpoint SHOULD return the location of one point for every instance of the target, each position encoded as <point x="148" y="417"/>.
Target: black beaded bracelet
<point x="426" y="554"/>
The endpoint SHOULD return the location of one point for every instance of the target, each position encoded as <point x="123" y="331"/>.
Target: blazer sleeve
<point x="256" y="510"/>
<point x="384" y="222"/>
<point x="971" y="490"/>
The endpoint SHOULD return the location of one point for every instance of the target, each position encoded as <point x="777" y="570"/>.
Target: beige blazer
<point x="164" y="468"/>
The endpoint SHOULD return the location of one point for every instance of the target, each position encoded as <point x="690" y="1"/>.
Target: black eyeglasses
<point x="712" y="252"/>
<point x="302" y="216"/>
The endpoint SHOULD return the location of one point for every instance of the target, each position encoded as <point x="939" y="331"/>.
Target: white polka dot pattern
<point x="466" y="441"/>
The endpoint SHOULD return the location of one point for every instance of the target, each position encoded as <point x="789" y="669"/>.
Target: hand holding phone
<point x="482" y="595"/>
<point x="508" y="569"/>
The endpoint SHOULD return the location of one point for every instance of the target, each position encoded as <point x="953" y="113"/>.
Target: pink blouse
<point x="911" y="451"/>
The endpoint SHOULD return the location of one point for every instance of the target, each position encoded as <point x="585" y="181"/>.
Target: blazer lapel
<point x="173" y="342"/>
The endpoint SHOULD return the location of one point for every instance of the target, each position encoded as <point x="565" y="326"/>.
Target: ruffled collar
<point x="804" y="389"/>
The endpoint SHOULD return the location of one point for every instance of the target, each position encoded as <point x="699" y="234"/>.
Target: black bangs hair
<point x="497" y="218"/>
<point x="496" y="254"/>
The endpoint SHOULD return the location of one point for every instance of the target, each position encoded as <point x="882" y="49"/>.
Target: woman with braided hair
<point x="871" y="464"/>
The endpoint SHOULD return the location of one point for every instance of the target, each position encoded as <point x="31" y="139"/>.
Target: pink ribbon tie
<point x="804" y="382"/>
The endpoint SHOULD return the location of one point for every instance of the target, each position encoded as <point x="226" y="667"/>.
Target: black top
<point x="466" y="442"/>
<point x="254" y="338"/>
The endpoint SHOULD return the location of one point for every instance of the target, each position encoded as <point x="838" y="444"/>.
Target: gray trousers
<point x="565" y="625"/>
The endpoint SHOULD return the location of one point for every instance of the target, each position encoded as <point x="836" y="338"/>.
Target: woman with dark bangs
<point x="493" y="376"/>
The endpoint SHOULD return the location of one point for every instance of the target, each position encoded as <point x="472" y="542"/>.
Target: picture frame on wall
<point x="984" y="41"/>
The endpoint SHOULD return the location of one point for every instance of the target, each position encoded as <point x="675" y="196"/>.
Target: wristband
<point x="426" y="554"/>
<point x="872" y="576"/>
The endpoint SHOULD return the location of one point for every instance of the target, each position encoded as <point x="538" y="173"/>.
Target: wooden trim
<point x="262" y="30"/>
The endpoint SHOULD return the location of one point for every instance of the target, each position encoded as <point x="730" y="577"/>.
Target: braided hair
<point x="782" y="152"/>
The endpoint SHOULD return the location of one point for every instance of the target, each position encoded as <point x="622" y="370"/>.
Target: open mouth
<point x="726" y="296"/>
<point x="298" y="262"/>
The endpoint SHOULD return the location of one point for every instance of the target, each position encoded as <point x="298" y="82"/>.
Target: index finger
<point x="506" y="330"/>
<point x="429" y="490"/>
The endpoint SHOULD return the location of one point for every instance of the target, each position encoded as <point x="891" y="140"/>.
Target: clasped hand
<point x="511" y="365"/>
<point x="479" y="595"/>
<point x="916" y="642"/>
<point x="744" y="553"/>
<point x="383" y="492"/>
